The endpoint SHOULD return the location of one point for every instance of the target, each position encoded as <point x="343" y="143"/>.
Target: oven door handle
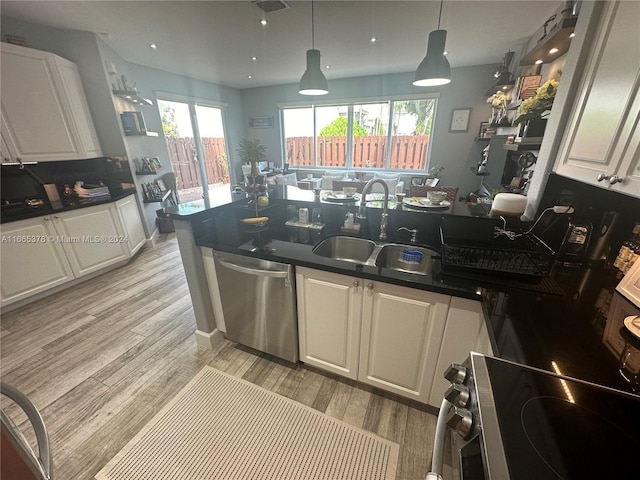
<point x="438" y="442"/>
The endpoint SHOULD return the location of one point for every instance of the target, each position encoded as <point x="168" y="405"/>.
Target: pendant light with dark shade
<point x="434" y="69"/>
<point x="313" y="82"/>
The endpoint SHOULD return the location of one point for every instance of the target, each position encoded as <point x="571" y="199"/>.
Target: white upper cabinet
<point x="601" y="145"/>
<point x="45" y="115"/>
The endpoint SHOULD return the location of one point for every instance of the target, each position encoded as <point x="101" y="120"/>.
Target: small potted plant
<point x="252" y="152"/>
<point x="533" y="111"/>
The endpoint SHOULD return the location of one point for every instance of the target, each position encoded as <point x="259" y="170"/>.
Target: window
<point x="197" y="160"/>
<point x="390" y="135"/>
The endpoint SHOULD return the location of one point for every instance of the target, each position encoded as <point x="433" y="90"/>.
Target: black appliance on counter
<point x="518" y="422"/>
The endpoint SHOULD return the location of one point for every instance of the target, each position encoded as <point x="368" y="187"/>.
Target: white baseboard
<point x="209" y="339"/>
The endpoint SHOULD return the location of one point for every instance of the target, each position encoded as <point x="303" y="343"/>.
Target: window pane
<point x="370" y="128"/>
<point x="331" y="131"/>
<point x="411" y="131"/>
<point x="298" y="135"/>
<point x="213" y="146"/>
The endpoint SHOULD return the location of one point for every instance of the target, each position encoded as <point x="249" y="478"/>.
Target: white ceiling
<point x="215" y="40"/>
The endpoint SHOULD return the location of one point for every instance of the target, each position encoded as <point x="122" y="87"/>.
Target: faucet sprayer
<point x="362" y="210"/>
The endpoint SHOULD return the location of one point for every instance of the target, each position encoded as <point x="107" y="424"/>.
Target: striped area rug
<point x="223" y="427"/>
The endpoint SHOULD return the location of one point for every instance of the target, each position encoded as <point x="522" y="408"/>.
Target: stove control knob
<point x="457" y="395"/>
<point x="456" y="373"/>
<point x="461" y="420"/>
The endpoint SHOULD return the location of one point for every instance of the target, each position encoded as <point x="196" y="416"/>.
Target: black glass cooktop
<point x="555" y="427"/>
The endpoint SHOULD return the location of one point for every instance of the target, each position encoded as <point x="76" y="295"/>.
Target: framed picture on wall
<point x="528" y="86"/>
<point x="460" y="120"/>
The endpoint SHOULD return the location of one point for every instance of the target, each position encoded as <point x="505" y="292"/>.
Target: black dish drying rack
<point x="523" y="257"/>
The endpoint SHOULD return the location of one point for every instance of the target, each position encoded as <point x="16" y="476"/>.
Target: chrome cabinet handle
<point x="370" y="286"/>
<point x="356" y="283"/>
<point x="602" y="177"/>
<point x="46" y="219"/>
<point x="616" y="179"/>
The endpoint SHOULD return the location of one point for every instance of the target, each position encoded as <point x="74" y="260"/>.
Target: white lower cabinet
<point x="41" y="253"/>
<point x="329" y="317"/>
<point x="131" y="223"/>
<point x="30" y="264"/>
<point x="465" y="331"/>
<point x="92" y="238"/>
<point x="400" y="338"/>
<point x="377" y="333"/>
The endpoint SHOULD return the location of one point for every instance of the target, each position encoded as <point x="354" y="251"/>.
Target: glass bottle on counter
<point x="629" y="251"/>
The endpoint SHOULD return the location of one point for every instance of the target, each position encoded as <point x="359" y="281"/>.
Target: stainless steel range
<point x="517" y="422"/>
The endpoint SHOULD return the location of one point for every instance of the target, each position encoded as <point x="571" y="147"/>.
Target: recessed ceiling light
<point x="153" y="45"/>
<point x="538" y="62"/>
<point x="254" y="58"/>
<point x="374" y="39"/>
<point x="327" y="66"/>
<point x="572" y="34"/>
<point x="249" y="76"/>
<point x="554" y="50"/>
<point x="263" y="22"/>
<point x="446" y="52"/>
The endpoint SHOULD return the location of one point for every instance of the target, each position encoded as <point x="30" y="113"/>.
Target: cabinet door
<point x="606" y="108"/>
<point x="629" y="169"/>
<point x="131" y="223"/>
<point x="329" y="311"/>
<point x="401" y="332"/>
<point x="32" y="261"/>
<point x="45" y="115"/>
<point x="465" y="330"/>
<point x="92" y="238"/>
<point x="79" y="114"/>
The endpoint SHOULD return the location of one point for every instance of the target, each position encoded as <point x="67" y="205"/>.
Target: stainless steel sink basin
<point x="400" y="257"/>
<point x="348" y="249"/>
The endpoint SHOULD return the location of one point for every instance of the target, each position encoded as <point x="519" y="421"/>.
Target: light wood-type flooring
<point x="99" y="360"/>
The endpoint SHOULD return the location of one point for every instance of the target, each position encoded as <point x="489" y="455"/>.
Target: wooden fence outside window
<point x="407" y="152"/>
<point x="182" y="156"/>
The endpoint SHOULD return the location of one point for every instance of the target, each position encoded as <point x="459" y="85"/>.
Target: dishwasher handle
<point x="253" y="271"/>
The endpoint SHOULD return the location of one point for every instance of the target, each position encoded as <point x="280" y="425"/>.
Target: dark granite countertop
<point x="559" y="320"/>
<point x="23" y="211"/>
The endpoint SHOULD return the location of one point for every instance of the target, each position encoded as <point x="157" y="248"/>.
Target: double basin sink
<point x="404" y="258"/>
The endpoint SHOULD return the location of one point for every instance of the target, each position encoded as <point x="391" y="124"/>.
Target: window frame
<point x="350" y="104"/>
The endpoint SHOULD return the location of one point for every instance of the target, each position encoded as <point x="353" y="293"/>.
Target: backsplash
<point x="591" y="204"/>
<point x="18" y="185"/>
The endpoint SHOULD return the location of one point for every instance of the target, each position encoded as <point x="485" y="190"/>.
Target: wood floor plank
<point x="259" y="370"/>
<point x="119" y="397"/>
<point x="377" y="415"/>
<point x="340" y="399"/>
<point x="136" y="359"/>
<point x="104" y="443"/>
<point x="415" y="455"/>
<point x="290" y="382"/>
<point x="325" y="394"/>
<point x="308" y="389"/>
<point x="357" y="407"/>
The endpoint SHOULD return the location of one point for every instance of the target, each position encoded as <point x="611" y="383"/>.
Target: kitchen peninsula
<point x="559" y="320"/>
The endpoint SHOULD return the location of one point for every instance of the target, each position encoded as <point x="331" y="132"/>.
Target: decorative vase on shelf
<point x="534" y="128"/>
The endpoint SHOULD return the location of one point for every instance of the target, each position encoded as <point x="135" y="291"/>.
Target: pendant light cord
<point x="439" y="15"/>
<point x="313" y="36"/>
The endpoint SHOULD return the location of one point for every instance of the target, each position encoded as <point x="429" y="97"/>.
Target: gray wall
<point x="457" y="152"/>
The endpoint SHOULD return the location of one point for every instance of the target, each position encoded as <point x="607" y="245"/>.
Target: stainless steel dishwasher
<point x="258" y="303"/>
